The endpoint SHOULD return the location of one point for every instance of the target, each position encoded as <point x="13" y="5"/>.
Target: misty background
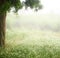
<point x="47" y="18"/>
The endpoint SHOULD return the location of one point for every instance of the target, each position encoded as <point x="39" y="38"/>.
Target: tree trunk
<point x="2" y="29"/>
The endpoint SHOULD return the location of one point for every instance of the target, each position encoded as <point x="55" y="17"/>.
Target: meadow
<point x="29" y="40"/>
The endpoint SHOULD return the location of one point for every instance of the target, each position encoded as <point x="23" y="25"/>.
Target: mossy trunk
<point x="2" y="29"/>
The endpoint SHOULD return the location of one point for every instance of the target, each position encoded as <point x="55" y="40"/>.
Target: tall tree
<point x="7" y="5"/>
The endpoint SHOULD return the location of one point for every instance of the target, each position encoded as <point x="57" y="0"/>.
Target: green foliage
<point x="24" y="51"/>
<point x="31" y="44"/>
<point x="33" y="4"/>
<point x="6" y="5"/>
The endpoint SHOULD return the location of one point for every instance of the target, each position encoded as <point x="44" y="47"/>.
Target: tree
<point x="7" y="5"/>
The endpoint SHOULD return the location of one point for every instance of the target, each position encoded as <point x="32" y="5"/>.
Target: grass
<point x="31" y="44"/>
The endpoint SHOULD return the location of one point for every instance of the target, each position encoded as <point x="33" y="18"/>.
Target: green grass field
<point x="31" y="44"/>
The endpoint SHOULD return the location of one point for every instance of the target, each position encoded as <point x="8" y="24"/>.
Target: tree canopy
<point x="6" y="5"/>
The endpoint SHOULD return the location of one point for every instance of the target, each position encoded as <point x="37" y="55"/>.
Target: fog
<point x="47" y="18"/>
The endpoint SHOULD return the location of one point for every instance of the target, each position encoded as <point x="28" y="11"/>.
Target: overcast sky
<point x="49" y="6"/>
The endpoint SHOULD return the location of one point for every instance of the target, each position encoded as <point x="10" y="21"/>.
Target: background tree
<point x="7" y="5"/>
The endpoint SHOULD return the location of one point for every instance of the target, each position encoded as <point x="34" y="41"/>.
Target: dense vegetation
<point x="31" y="44"/>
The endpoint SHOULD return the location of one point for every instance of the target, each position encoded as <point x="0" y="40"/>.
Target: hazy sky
<point x="49" y="6"/>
